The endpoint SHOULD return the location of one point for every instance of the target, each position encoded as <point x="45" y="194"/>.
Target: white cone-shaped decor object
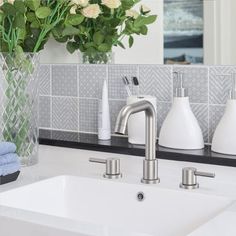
<point x="104" y="123"/>
<point x="180" y="129"/>
<point x="224" y="139"/>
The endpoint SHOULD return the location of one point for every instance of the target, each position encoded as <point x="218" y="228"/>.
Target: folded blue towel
<point x="7" y="147"/>
<point x="8" y="158"/>
<point x="9" y="168"/>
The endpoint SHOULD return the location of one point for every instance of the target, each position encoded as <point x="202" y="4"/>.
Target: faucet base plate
<point x="152" y="181"/>
<point x="108" y="176"/>
<point x="195" y="186"/>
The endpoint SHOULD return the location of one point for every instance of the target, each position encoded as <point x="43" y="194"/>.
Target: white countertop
<point x="54" y="161"/>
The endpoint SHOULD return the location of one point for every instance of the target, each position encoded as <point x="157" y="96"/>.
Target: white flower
<point x="132" y="13"/>
<point x="73" y="10"/>
<point x="144" y="9"/>
<point x="112" y="4"/>
<point x="91" y="11"/>
<point x="1" y="2"/>
<point x="11" y="1"/>
<point x="82" y="3"/>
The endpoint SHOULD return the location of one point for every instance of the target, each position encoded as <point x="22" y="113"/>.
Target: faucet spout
<point x="150" y="165"/>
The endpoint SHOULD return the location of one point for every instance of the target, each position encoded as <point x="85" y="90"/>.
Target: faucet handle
<point x="189" y="177"/>
<point x="112" y="167"/>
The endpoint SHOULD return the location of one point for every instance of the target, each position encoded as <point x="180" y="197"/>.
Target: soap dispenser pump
<point x="224" y="139"/>
<point x="180" y="129"/>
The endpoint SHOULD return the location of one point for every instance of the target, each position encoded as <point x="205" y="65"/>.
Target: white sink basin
<point x="87" y="206"/>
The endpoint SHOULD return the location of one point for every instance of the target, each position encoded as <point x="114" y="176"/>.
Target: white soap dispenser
<point x="224" y="139"/>
<point x="180" y="129"/>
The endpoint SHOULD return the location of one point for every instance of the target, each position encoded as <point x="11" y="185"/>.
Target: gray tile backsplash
<point x="44" y="80"/>
<point x="88" y="115"/>
<point x="115" y="74"/>
<point x="156" y="81"/>
<point x="196" y="81"/>
<point x="215" y="114"/>
<point x="91" y="80"/>
<point x="45" y="111"/>
<point x="69" y="93"/>
<point x="64" y="80"/>
<point x="65" y="113"/>
<point x="219" y="84"/>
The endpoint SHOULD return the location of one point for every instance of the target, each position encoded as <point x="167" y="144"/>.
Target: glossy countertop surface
<point x="120" y="145"/>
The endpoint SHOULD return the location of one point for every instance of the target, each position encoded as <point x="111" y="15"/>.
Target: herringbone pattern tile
<point x="220" y="83"/>
<point x="163" y="109"/>
<point x="201" y="113"/>
<point x="44" y="80"/>
<point x="65" y="113"/>
<point x="216" y="113"/>
<point x="156" y="81"/>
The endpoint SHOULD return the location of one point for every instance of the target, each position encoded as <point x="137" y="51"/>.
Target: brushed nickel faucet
<point x="150" y="163"/>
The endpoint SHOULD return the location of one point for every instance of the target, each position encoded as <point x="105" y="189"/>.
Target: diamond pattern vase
<point x="19" y="103"/>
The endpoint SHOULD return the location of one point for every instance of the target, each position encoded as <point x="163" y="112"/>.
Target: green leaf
<point x="22" y="34"/>
<point x="75" y="19"/>
<point x="43" y="12"/>
<point x="142" y="20"/>
<point x="150" y="19"/>
<point x="29" y="44"/>
<point x="89" y="45"/>
<point x="19" y="21"/>
<point x="35" y="24"/>
<point x="8" y="9"/>
<point x="62" y="39"/>
<point x="32" y="4"/>
<point x="20" y="6"/>
<point x="98" y="38"/>
<point x="121" y="44"/>
<point x="131" y="41"/>
<point x="31" y="16"/>
<point x="70" y="31"/>
<point x="104" y="47"/>
<point x="1" y="16"/>
<point x="128" y="4"/>
<point x="144" y="30"/>
<point x="72" y="47"/>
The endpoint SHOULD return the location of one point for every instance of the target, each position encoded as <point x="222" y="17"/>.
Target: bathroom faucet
<point x="150" y="163"/>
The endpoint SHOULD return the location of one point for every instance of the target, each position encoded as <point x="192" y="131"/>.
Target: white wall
<point x="219" y="32"/>
<point x="146" y="50"/>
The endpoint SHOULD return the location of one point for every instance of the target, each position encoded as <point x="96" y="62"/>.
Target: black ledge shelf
<point x="120" y="145"/>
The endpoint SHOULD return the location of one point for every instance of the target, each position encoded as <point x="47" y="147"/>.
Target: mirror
<point x="186" y="32"/>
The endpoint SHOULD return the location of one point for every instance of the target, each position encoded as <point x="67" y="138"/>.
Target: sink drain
<point x="140" y="196"/>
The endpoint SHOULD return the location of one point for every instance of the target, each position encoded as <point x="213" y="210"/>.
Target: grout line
<point x="78" y="94"/>
<point x="56" y="129"/>
<point x="208" y="108"/>
<point x="51" y="109"/>
<point x="64" y="96"/>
